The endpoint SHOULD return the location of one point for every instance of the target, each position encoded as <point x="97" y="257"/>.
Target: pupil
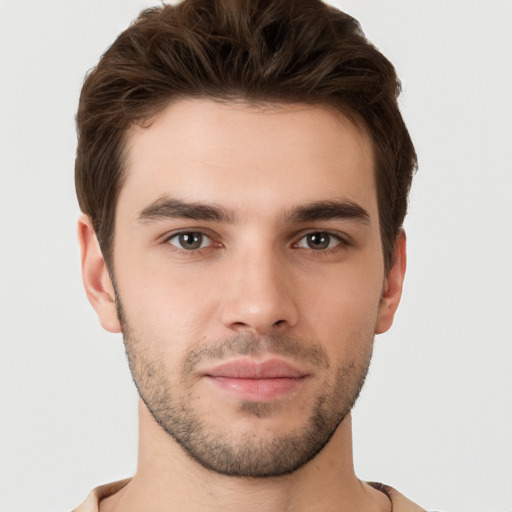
<point x="191" y="240"/>
<point x="318" y="241"/>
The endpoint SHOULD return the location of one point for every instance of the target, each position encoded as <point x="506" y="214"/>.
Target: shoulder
<point x="91" y="503"/>
<point x="399" y="501"/>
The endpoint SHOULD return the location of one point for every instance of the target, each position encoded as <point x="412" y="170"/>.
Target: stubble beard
<point x="246" y="455"/>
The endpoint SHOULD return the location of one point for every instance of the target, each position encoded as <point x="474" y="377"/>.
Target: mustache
<point x="251" y="345"/>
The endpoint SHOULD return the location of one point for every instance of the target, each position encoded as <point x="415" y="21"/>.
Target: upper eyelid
<point x="205" y="232"/>
<point x="343" y="237"/>
<point x="178" y="233"/>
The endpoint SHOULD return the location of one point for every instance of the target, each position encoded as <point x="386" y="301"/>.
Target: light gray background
<point x="435" y="419"/>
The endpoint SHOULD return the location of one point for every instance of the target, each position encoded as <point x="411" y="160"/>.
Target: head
<point x="243" y="169"/>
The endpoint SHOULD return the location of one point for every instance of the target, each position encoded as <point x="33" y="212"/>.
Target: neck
<point x="168" y="479"/>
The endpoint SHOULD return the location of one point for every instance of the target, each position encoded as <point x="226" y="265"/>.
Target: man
<point x="243" y="172"/>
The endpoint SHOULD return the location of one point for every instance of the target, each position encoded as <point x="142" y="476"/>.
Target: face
<point x="249" y="278"/>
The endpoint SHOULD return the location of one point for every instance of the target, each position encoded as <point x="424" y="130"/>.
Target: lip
<point x="252" y="369"/>
<point x="256" y="380"/>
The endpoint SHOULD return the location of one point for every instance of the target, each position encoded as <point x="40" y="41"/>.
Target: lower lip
<point x="258" y="389"/>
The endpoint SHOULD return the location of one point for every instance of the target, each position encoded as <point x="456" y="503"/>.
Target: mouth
<point x="253" y="380"/>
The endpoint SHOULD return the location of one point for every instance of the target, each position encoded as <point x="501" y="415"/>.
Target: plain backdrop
<point x="435" y="418"/>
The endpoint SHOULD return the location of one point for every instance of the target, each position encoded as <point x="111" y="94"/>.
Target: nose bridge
<point x="260" y="292"/>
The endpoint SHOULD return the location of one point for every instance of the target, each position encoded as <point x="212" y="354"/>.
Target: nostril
<point x="279" y="322"/>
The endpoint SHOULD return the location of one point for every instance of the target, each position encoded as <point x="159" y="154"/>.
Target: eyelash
<point x="342" y="244"/>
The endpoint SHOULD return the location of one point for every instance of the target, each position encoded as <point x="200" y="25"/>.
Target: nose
<point x="259" y="295"/>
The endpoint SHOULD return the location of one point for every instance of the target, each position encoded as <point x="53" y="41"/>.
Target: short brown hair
<point x="292" y="51"/>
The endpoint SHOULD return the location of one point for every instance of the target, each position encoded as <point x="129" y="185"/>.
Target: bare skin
<point x="264" y="266"/>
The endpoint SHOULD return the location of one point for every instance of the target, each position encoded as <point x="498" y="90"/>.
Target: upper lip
<point x="252" y="369"/>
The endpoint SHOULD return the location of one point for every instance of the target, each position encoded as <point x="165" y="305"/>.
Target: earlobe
<point x="96" y="278"/>
<point x="392" y="291"/>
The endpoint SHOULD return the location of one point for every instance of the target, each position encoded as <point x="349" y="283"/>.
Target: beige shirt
<point x="91" y="504"/>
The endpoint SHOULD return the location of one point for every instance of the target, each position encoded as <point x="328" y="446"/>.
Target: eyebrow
<point x="169" y="208"/>
<point x="329" y="210"/>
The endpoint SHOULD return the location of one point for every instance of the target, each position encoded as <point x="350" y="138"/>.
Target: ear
<point x="392" y="290"/>
<point x="98" y="285"/>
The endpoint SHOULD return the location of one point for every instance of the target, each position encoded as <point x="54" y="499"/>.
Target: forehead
<point x="241" y="156"/>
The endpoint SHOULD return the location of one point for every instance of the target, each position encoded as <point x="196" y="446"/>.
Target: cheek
<point x="168" y="305"/>
<point x="342" y="306"/>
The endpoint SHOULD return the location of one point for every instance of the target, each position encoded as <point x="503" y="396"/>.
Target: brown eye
<point x="319" y="241"/>
<point x="190" y="240"/>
